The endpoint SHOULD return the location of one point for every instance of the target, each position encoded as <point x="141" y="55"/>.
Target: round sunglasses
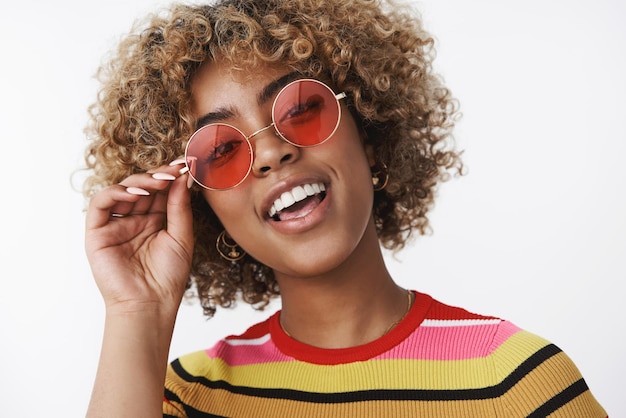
<point x="305" y="113"/>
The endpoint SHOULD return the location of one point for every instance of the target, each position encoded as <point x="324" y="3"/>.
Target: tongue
<point x="300" y="209"/>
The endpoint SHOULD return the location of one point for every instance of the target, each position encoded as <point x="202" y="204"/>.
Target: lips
<point x="297" y="202"/>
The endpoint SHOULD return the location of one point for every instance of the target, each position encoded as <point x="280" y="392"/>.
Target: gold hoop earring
<point x="228" y="250"/>
<point x="380" y="176"/>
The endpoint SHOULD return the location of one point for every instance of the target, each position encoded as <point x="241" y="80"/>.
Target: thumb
<point x="179" y="217"/>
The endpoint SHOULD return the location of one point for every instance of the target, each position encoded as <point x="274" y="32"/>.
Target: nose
<point x="271" y="152"/>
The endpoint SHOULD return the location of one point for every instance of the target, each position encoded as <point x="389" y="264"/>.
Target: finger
<point x="121" y="209"/>
<point x="150" y="181"/>
<point x="142" y="206"/>
<point x="159" y="203"/>
<point x="122" y="199"/>
<point x="103" y="203"/>
<point x="179" y="217"/>
<point x="157" y="181"/>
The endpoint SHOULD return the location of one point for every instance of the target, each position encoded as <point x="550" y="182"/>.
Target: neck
<point x="352" y="305"/>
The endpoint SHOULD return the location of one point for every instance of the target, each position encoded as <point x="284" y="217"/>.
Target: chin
<point x="313" y="263"/>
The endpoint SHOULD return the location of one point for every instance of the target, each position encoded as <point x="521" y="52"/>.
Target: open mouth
<point x="298" y="202"/>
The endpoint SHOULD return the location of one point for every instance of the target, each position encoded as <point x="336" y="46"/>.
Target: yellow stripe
<point x="389" y="374"/>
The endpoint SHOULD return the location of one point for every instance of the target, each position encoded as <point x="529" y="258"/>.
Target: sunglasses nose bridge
<point x="255" y="133"/>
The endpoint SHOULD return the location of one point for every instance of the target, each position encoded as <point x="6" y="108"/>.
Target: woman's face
<point x="315" y="235"/>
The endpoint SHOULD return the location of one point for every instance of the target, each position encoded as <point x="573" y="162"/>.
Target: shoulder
<point x="468" y="335"/>
<point x="229" y="350"/>
<point x="496" y="338"/>
<point x="530" y="375"/>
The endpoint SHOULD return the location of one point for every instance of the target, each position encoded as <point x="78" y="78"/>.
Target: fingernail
<point x="183" y="170"/>
<point x="177" y="162"/>
<point x="137" y="191"/>
<point x="163" y="176"/>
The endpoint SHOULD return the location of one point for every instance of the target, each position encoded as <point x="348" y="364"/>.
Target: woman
<point x="311" y="133"/>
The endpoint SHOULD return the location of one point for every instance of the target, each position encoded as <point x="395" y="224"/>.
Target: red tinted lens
<point x="306" y="113"/>
<point x="218" y="156"/>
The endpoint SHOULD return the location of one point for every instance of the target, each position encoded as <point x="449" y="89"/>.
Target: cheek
<point x="352" y="154"/>
<point x="361" y="192"/>
<point x="222" y="204"/>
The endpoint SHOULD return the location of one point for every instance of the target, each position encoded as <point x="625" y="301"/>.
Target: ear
<point x="367" y="146"/>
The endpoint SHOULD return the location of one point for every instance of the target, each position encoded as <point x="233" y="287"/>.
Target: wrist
<point x="142" y="310"/>
<point x="137" y="323"/>
<point x="145" y="330"/>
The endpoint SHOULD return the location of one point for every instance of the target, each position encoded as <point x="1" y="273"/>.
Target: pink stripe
<point x="426" y="343"/>
<point x="452" y="343"/>
<point x="507" y="329"/>
<point x="242" y="355"/>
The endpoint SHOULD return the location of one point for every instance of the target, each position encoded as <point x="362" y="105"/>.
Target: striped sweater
<point x="440" y="361"/>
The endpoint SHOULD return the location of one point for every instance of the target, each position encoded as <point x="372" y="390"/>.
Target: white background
<point x="535" y="233"/>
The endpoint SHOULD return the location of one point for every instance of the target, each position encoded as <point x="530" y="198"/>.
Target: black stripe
<point x="189" y="411"/>
<point x="528" y="366"/>
<point x="561" y="399"/>
<point x="194" y="413"/>
<point x="171" y="396"/>
<point x="490" y="392"/>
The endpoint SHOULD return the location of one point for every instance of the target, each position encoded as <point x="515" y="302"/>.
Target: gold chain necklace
<point x="392" y="326"/>
<point x="408" y="308"/>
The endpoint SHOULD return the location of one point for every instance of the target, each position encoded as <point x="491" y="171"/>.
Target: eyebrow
<point x="272" y="88"/>
<point x="263" y="97"/>
<point x="219" y="114"/>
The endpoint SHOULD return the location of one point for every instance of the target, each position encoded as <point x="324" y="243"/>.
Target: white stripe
<point x="458" y="322"/>
<point x="255" y="341"/>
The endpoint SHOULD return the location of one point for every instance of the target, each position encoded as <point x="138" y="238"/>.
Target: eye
<point x="303" y="111"/>
<point x="223" y="152"/>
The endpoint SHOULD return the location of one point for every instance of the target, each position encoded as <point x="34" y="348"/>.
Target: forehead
<point x="216" y="84"/>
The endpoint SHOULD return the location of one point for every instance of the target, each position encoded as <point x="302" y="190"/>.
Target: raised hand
<point x="139" y="240"/>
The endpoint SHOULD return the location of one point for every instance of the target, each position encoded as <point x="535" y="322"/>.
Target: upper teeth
<point x="296" y="194"/>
